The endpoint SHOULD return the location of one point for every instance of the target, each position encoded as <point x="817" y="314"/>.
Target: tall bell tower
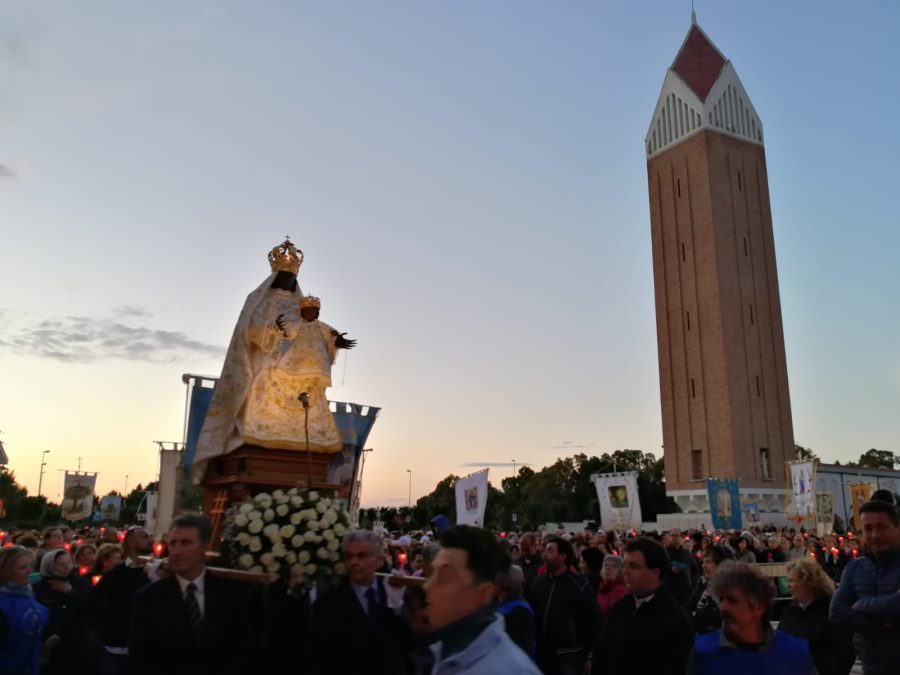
<point x="726" y="410"/>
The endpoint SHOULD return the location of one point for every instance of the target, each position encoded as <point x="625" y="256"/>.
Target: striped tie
<point x="193" y="610"/>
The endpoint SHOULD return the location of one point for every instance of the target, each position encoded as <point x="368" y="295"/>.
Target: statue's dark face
<point x="310" y="313"/>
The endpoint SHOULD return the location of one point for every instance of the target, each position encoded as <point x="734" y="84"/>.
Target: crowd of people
<point x="460" y="600"/>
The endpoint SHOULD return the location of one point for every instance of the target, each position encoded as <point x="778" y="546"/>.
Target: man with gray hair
<point x="746" y="642"/>
<point x="355" y="626"/>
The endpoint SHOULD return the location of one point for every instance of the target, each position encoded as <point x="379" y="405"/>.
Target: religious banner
<point x="724" y="503"/>
<point x="354" y="422"/>
<point x="200" y="398"/>
<point x="618" y="497"/>
<point x="751" y="514"/>
<point x="803" y="487"/>
<point x="471" y="498"/>
<point x="859" y="495"/>
<point x="110" y="506"/>
<point x="825" y="509"/>
<point x="78" y="495"/>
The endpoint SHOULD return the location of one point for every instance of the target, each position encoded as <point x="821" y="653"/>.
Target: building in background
<point x="726" y="410"/>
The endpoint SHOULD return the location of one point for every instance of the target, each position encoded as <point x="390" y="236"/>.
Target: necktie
<point x="193" y="610"/>
<point x="371" y="603"/>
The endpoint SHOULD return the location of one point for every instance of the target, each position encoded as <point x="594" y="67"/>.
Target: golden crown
<point x="310" y="301"/>
<point x="286" y="258"/>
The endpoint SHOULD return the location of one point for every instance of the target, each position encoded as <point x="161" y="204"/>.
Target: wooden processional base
<point x="252" y="469"/>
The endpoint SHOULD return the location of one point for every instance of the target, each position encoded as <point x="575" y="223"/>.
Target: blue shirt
<point x="491" y="652"/>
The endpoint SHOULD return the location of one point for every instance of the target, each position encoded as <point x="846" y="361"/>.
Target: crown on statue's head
<point x="310" y="301"/>
<point x="286" y="258"/>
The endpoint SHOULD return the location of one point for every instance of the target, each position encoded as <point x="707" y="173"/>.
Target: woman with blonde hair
<point x="807" y="617"/>
<point x="108" y="556"/>
<point x="22" y="618"/>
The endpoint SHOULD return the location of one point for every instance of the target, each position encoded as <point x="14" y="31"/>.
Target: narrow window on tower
<point x="678" y="185"/>
<point x="745" y="247"/>
<point x="739" y="182"/>
<point x="751" y="315"/>
<point x="683" y="258"/>
<point x="765" y="466"/>
<point x="758" y="390"/>
<point x="693" y="389"/>
<point x="689" y="320"/>
<point x="697" y="464"/>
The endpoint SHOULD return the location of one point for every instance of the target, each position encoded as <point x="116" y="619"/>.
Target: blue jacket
<point x="782" y="654"/>
<point x="867" y="602"/>
<point x="490" y="653"/>
<point x="20" y="652"/>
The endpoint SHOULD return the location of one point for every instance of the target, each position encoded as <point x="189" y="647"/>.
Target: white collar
<point x="199" y="582"/>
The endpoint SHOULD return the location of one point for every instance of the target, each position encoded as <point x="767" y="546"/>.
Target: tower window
<point x="693" y="389"/>
<point x="739" y="182"/>
<point x="697" y="464"/>
<point x="758" y="390"/>
<point x="678" y="185"/>
<point x="683" y="257"/>
<point x="745" y="247"/>
<point x="765" y="464"/>
<point x="751" y="315"/>
<point x="688" y="320"/>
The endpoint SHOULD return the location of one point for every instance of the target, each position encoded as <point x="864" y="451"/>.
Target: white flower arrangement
<point x="292" y="532"/>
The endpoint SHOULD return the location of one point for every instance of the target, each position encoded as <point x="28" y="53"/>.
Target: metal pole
<point x="41" y="477"/>
<point x="409" y="503"/>
<point x="125" y="491"/>
<point x="514" y="468"/>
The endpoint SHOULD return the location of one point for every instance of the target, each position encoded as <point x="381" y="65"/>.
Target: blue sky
<point x="468" y="183"/>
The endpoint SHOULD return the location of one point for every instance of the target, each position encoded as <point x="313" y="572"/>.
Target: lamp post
<point x="41" y="477"/>
<point x="514" y="468"/>
<point x="409" y="503"/>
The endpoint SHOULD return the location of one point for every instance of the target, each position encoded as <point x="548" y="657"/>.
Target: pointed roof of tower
<point x="699" y="63"/>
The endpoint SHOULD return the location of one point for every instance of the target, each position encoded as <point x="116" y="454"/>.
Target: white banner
<point x="78" y="495"/>
<point x="617" y="493"/>
<point x="110" y="506"/>
<point x="471" y="498"/>
<point x="167" y="491"/>
<point x="803" y="487"/>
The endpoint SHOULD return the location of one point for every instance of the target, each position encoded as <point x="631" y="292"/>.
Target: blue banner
<point x="354" y="422"/>
<point x="724" y="503"/>
<point x="201" y="397"/>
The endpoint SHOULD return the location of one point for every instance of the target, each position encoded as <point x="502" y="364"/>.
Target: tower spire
<point x="693" y="14"/>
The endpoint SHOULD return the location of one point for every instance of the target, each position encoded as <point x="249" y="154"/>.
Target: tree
<point x="878" y="459"/>
<point x="804" y="453"/>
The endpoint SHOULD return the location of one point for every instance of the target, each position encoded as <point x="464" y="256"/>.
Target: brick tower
<point x="726" y="411"/>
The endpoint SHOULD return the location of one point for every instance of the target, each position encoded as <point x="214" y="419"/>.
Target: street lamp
<point x="409" y="504"/>
<point x="41" y="477"/>
<point x="514" y="468"/>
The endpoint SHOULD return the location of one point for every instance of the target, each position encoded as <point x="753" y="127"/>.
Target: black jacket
<point x="654" y="639"/>
<point x="566" y="613"/>
<point x="831" y="648"/>
<point x="162" y="642"/>
<point x="681" y="583"/>
<point x="345" y="641"/>
<point x="703" y="609"/>
<point x="108" y="605"/>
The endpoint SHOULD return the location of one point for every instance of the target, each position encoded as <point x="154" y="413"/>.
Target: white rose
<point x="243" y="538"/>
<point x="317" y="539"/>
<point x="322" y="553"/>
<point x="313" y="496"/>
<point x="287" y="531"/>
<point x="282" y="509"/>
<point x="334" y="556"/>
<point x="297" y="540"/>
<point x="297" y="570"/>
<point x="256" y="569"/>
<point x="264" y="500"/>
<point x="291" y="557"/>
<point x="283" y="500"/>
<point x="246" y="561"/>
<point x="274" y="567"/>
<point x="328" y="534"/>
<point x="296" y="518"/>
<point x="255" y="527"/>
<point x="255" y="515"/>
<point x="333" y="545"/>
<point x="332" y="516"/>
<point x="246" y="508"/>
<point x="313" y="525"/>
<point x="296" y="500"/>
<point x="277" y="494"/>
<point x="279" y="551"/>
<point x="269" y="515"/>
<point x="255" y="545"/>
<point x="303" y="557"/>
<point x="339" y="568"/>
<point x="267" y="558"/>
<point x="340" y="530"/>
<point x="241" y="520"/>
<point x="322" y="507"/>
<point x="311" y="569"/>
<point x="309" y="536"/>
<point x="293" y="491"/>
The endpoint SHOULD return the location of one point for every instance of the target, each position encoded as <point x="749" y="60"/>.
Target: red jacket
<point x="609" y="594"/>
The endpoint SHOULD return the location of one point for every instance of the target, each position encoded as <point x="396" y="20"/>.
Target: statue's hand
<point x="279" y="324"/>
<point x="343" y="343"/>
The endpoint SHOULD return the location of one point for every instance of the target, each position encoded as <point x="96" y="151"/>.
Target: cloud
<point x="6" y="172"/>
<point x="81" y="339"/>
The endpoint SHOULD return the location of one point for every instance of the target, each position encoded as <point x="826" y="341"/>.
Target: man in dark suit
<point x="356" y="627"/>
<point x="191" y="621"/>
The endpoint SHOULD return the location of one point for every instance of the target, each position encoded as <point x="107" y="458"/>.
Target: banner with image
<point x="751" y="514"/>
<point x="618" y="496"/>
<point x="859" y="495"/>
<point x="803" y="487"/>
<point x="110" y="507"/>
<point x="825" y="509"/>
<point x="471" y="498"/>
<point x="724" y="503"/>
<point x="78" y="495"/>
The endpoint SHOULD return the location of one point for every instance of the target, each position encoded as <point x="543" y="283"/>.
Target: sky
<point x="468" y="183"/>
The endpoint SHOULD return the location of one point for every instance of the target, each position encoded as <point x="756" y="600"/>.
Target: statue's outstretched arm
<point x="341" y="342"/>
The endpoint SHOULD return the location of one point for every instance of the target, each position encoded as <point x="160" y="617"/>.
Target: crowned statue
<point x="271" y="393"/>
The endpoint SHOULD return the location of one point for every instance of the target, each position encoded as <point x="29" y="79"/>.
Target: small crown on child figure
<point x="310" y="301"/>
